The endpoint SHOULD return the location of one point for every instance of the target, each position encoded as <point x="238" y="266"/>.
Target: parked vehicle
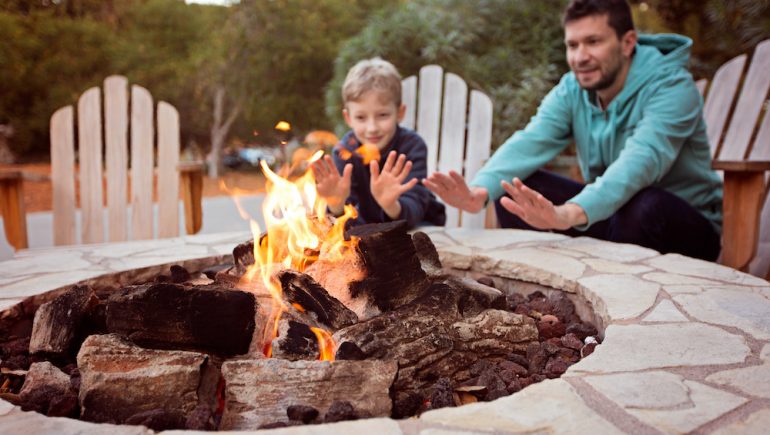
<point x="249" y="157"/>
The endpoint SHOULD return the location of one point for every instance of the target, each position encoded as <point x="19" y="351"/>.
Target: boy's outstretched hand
<point x="454" y="191"/>
<point x="332" y="187"/>
<point x="386" y="185"/>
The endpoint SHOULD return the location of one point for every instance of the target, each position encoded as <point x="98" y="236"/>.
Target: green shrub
<point x="510" y="49"/>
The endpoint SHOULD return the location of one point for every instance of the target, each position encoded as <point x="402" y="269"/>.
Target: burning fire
<point x="325" y="344"/>
<point x="297" y="231"/>
<point x="368" y="152"/>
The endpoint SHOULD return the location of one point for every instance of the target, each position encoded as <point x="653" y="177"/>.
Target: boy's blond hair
<point x="372" y="75"/>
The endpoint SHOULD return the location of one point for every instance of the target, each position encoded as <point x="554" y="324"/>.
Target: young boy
<point x="387" y="188"/>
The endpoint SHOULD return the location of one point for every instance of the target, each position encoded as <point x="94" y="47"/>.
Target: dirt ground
<point x="38" y="196"/>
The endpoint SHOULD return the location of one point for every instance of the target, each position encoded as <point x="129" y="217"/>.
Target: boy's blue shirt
<point x="651" y="134"/>
<point x="418" y="204"/>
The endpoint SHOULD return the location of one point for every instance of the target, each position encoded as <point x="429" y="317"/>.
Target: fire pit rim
<point x="510" y="254"/>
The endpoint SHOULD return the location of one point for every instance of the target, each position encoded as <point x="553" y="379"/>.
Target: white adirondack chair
<point x="458" y="135"/>
<point x="739" y="133"/>
<point x="116" y="173"/>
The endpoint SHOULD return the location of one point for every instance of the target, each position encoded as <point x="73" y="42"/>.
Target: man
<point x="635" y="115"/>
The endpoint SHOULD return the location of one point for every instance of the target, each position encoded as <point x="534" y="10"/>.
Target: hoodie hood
<point x="655" y="56"/>
<point x="675" y="48"/>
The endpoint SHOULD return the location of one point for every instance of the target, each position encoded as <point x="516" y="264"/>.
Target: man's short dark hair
<point x="618" y="12"/>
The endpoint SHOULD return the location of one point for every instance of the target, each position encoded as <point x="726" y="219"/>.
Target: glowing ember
<point x="297" y="231"/>
<point x="283" y="126"/>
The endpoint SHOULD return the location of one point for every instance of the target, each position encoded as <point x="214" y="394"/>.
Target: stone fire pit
<point x="686" y="343"/>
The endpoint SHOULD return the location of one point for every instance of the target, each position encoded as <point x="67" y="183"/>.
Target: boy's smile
<point x="374" y="118"/>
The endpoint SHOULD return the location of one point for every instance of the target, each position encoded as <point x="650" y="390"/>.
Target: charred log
<point x="171" y="316"/>
<point x="336" y="275"/>
<point x="120" y="382"/>
<point x="179" y="274"/>
<point x="390" y="283"/>
<point x="431" y="339"/>
<point x="295" y="341"/>
<point x="45" y="389"/>
<point x="477" y="297"/>
<point x="349" y="351"/>
<point x="243" y="255"/>
<point x="58" y="323"/>
<point x="259" y="392"/>
<point x="303" y="290"/>
<point x="427" y="253"/>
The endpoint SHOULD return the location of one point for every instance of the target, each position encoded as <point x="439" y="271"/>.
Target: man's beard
<point x="605" y="81"/>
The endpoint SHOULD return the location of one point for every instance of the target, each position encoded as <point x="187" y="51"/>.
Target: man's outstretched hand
<point x="454" y="191"/>
<point x="536" y="210"/>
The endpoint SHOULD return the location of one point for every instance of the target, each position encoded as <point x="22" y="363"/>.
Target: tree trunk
<point x="219" y="130"/>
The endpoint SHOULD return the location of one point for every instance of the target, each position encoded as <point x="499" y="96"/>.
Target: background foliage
<point x="720" y="29"/>
<point x="280" y="55"/>
<point x="285" y="59"/>
<point x="510" y="49"/>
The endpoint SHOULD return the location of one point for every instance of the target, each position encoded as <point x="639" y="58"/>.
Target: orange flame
<point x="297" y="231"/>
<point x="368" y="152"/>
<point x="325" y="344"/>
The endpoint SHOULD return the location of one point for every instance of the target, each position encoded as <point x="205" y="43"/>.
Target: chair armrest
<point x="191" y="183"/>
<point x="12" y="208"/>
<point x="191" y="166"/>
<point x="10" y="174"/>
<point x="741" y="165"/>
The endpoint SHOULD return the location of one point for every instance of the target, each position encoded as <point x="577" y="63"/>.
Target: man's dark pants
<point x="653" y="218"/>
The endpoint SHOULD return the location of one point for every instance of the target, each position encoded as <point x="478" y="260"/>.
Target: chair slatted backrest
<point x="458" y="135"/>
<point x="93" y="176"/>
<point x="739" y="134"/>
<point x="722" y="94"/>
<point x="737" y="142"/>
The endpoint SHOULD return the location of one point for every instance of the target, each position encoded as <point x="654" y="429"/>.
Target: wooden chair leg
<point x="191" y="183"/>
<point x="12" y="208"/>
<point x="743" y="194"/>
<point x="491" y="219"/>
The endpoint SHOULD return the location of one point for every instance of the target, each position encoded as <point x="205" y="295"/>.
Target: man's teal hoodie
<point x="651" y="134"/>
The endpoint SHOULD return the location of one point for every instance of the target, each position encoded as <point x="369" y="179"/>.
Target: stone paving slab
<point x="665" y="312"/>
<point x="686" y="343"/>
<point x="15" y="421"/>
<point x="756" y="424"/>
<point x="751" y="380"/>
<point x="714" y="306"/>
<point x="602" y="290"/>
<point x="643" y="347"/>
<point x="549" y="407"/>
<point x="664" y="400"/>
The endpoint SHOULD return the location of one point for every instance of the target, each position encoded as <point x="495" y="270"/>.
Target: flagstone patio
<point x="686" y="342"/>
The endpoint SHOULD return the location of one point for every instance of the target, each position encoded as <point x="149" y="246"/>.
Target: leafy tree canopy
<point x="510" y="49"/>
<point x="720" y="29"/>
<point x="47" y="62"/>
<point x="54" y="51"/>
<point x="279" y="56"/>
